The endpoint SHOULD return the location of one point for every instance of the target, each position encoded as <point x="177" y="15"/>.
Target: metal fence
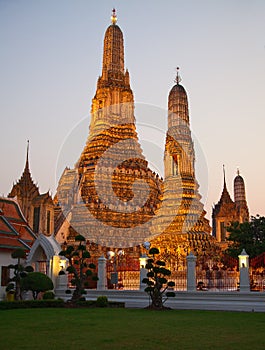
<point x="180" y="279"/>
<point x="257" y="282"/>
<point x="129" y="280"/>
<point x="217" y="280"/>
<point x="207" y="280"/>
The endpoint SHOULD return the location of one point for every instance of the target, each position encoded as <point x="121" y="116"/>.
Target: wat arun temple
<point x="111" y="196"/>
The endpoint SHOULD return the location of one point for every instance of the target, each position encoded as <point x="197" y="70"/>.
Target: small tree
<point x="157" y="283"/>
<point x="36" y="282"/>
<point x="247" y="235"/>
<point x="79" y="267"/>
<point x="20" y="271"/>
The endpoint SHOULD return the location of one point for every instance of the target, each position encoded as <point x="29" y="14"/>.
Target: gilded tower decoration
<point x="227" y="210"/>
<point x="38" y="209"/>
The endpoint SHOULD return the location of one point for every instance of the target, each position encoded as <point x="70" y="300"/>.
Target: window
<point x="223" y="230"/>
<point x="48" y="221"/>
<point x="36" y="219"/>
<point x="174" y="165"/>
<point x="5" y="275"/>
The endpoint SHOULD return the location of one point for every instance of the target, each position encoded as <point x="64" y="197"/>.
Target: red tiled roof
<point x="14" y="229"/>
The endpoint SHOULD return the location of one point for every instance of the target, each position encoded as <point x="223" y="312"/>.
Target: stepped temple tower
<point x="111" y="193"/>
<point x="111" y="196"/>
<point x="181" y="221"/>
<point x="227" y="210"/>
<point x="38" y="209"/>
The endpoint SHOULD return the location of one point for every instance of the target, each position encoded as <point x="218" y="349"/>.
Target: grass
<point x="83" y="329"/>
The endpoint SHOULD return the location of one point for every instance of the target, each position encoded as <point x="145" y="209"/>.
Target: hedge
<point x="27" y="304"/>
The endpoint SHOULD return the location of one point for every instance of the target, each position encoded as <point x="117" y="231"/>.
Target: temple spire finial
<point x="178" y="78"/>
<point x="224" y="175"/>
<point x="27" y="157"/>
<point x="238" y="172"/>
<point x="113" y="16"/>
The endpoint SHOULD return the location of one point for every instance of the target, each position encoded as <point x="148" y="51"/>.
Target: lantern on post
<point x="244" y="284"/>
<point x="143" y="271"/>
<point x="143" y="261"/>
<point x="243" y="259"/>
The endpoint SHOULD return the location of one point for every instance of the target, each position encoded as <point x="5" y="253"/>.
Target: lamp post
<point x="191" y="272"/>
<point x="143" y="261"/>
<point x="62" y="280"/>
<point x="143" y="271"/>
<point x="243" y="271"/>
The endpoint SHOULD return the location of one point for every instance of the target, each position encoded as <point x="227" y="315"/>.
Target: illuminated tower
<point x="181" y="219"/>
<point x="114" y="193"/>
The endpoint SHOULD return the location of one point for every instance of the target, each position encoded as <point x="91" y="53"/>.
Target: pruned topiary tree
<point x="79" y="266"/>
<point x="157" y="281"/>
<point x="20" y="271"/>
<point x="36" y="282"/>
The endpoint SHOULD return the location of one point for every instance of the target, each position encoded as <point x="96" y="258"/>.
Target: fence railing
<point x="220" y="280"/>
<point x="129" y="280"/>
<point x="206" y="280"/>
<point x="257" y="282"/>
<point x="180" y="279"/>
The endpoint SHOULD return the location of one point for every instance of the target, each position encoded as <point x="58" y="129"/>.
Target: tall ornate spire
<point x="27" y="157"/>
<point x="113" y="101"/>
<point x="225" y="197"/>
<point x="25" y="182"/>
<point x="25" y="189"/>
<point x="181" y="195"/>
<point x="224" y="176"/>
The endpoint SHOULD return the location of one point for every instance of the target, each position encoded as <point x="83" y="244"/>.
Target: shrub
<point x="49" y="295"/>
<point x="102" y="301"/>
<point x="36" y="282"/>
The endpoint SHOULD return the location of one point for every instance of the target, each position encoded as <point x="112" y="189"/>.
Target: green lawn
<point x="83" y="329"/>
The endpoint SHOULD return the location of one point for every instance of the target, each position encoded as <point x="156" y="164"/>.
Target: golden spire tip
<point x="113" y="16"/>
<point x="178" y="78"/>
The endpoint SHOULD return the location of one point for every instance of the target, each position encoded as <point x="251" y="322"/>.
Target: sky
<point x="51" y="56"/>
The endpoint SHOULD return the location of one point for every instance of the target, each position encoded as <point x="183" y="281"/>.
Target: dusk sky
<point x="51" y="56"/>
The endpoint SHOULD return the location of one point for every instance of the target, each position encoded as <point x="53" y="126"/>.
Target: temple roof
<point x="25" y="185"/>
<point x="225" y="196"/>
<point x="177" y="88"/>
<point x="14" y="229"/>
<point x="225" y="203"/>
